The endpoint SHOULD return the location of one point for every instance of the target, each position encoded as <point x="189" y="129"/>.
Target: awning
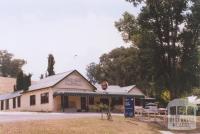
<point x="104" y="94"/>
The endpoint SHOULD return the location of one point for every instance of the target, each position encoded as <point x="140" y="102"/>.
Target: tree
<point x="165" y="38"/>
<point x="50" y="68"/>
<point x="118" y="67"/>
<point x="168" y="32"/>
<point x="23" y="81"/>
<point x="20" y="81"/>
<point x="165" y="97"/>
<point x="8" y="65"/>
<point x="26" y="81"/>
<point x="92" y="72"/>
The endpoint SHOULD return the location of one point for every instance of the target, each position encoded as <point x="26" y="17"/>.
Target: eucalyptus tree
<point x="166" y="33"/>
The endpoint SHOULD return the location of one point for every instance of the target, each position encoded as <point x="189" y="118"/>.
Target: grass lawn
<point x="91" y="125"/>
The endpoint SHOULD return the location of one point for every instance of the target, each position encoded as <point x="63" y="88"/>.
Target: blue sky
<point x="31" y="29"/>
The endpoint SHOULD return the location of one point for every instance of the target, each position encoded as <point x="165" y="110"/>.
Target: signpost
<point x="129" y="107"/>
<point x="104" y="86"/>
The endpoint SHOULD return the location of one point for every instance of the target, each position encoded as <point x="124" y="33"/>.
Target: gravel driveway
<point x="26" y="116"/>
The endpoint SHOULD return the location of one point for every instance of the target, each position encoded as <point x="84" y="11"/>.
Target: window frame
<point x="14" y="103"/>
<point x="19" y="101"/>
<point x="2" y="104"/>
<point x="32" y="100"/>
<point x="44" y="98"/>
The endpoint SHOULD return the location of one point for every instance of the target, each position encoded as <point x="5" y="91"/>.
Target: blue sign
<point x="129" y="107"/>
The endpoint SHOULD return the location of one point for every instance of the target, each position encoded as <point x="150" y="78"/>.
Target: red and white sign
<point x="104" y="85"/>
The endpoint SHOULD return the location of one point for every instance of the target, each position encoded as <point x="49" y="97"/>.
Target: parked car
<point x="151" y="108"/>
<point x="162" y="111"/>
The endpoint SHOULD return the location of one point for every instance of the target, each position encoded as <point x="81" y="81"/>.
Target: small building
<point x="181" y="114"/>
<point x="67" y="92"/>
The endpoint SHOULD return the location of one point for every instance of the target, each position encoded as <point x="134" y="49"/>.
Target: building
<point x="67" y="92"/>
<point x="7" y="84"/>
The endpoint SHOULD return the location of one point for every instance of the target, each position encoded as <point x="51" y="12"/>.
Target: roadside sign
<point x="129" y="107"/>
<point x="104" y="85"/>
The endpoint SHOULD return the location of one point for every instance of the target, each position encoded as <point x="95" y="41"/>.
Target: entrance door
<point x="65" y="102"/>
<point x="83" y="103"/>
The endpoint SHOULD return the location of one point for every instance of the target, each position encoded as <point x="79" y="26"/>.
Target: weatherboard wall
<point x="74" y="82"/>
<point x="47" y="107"/>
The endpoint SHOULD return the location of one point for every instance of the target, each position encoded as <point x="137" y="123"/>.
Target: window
<point x="14" y="102"/>
<point x="44" y="98"/>
<point x="2" y="105"/>
<point x="173" y="110"/>
<point x="32" y="100"/>
<point x="137" y="102"/>
<point x="19" y="101"/>
<point x="181" y="110"/>
<point x="7" y="104"/>
<point x="190" y="110"/>
<point x="117" y="101"/>
<point x="91" y="100"/>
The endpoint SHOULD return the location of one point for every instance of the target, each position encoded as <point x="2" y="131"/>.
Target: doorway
<point x="83" y="103"/>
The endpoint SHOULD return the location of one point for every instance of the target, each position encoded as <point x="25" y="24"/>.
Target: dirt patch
<point x="118" y="125"/>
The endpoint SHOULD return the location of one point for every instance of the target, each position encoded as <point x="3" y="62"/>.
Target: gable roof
<point x="136" y="91"/>
<point x="53" y="80"/>
<point x="114" y="88"/>
<point x="120" y="90"/>
<point x="7" y="84"/>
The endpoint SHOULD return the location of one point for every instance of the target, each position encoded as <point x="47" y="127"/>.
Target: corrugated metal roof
<point x="117" y="89"/>
<point x="114" y="88"/>
<point x="136" y="91"/>
<point x="111" y="88"/>
<point x="49" y="81"/>
<point x="10" y="95"/>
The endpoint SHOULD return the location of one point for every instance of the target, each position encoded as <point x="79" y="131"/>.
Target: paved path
<point x="166" y="132"/>
<point x="26" y="116"/>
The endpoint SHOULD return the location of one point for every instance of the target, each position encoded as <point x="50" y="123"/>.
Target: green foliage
<point x="165" y="95"/>
<point x="195" y="92"/>
<point x="135" y="2"/>
<point x="23" y="81"/>
<point x="8" y="65"/>
<point x="92" y="72"/>
<point x="50" y="68"/>
<point x="166" y="32"/>
<point x="165" y="39"/>
<point x="20" y="81"/>
<point x="117" y="67"/>
<point x="94" y="108"/>
<point x="103" y="107"/>
<point x="26" y="81"/>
